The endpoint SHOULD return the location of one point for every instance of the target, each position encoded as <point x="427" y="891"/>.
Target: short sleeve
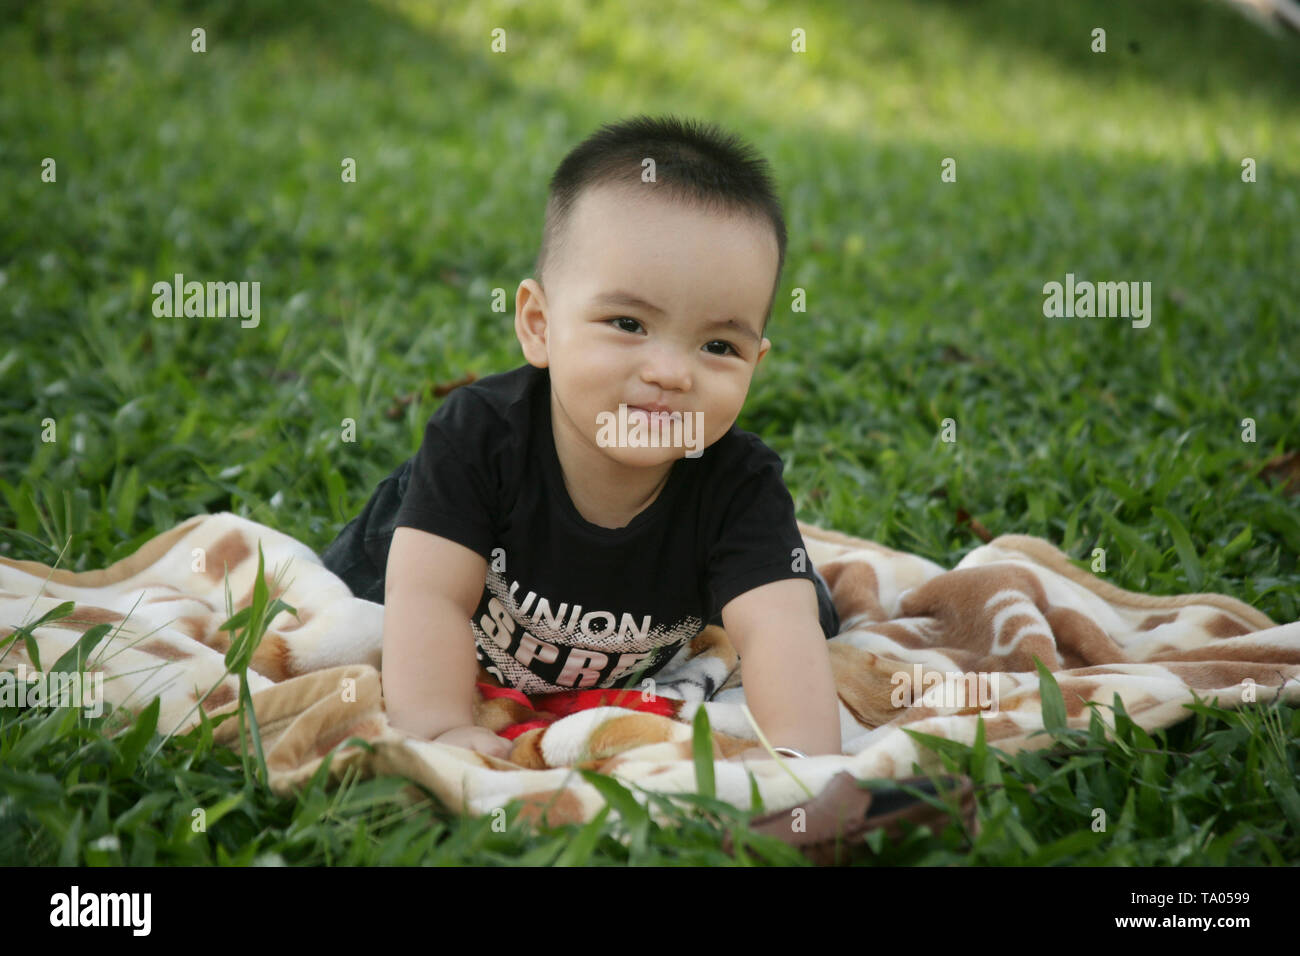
<point x="758" y="539"/>
<point x="451" y="492"/>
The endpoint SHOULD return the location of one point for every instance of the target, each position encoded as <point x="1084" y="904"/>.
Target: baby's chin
<point x="645" y="457"/>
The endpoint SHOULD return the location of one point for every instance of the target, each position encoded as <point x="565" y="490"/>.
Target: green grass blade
<point x="702" y="747"/>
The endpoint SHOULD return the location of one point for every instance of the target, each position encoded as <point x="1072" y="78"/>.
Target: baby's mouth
<point x="652" y="415"/>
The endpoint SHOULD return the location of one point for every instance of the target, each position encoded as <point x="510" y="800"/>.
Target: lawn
<point x="925" y="303"/>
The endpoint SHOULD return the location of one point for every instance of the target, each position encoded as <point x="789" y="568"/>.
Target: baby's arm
<point x="433" y="585"/>
<point x="785" y="666"/>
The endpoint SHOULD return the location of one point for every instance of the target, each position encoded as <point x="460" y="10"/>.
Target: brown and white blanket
<point x="906" y="622"/>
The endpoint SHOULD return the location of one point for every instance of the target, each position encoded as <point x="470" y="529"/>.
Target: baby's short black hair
<point x="694" y="162"/>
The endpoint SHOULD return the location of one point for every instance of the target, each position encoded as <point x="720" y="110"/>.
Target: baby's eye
<point x="725" y="345"/>
<point x="624" y="318"/>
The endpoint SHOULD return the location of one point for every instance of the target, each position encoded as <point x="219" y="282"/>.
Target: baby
<point x="562" y="525"/>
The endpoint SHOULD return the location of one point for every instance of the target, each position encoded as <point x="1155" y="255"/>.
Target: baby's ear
<point x="530" y="322"/>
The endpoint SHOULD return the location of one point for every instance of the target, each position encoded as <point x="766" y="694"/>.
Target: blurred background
<point x="925" y="297"/>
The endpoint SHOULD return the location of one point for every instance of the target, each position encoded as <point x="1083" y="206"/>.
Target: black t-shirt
<point x="568" y="604"/>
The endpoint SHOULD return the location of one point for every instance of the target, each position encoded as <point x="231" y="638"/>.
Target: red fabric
<point x="551" y="707"/>
<point x="571" y="701"/>
<point x="515" y="730"/>
<point x="491" y="692"/>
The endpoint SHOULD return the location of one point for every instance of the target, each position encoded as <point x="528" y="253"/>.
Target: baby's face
<point x="690" y="343"/>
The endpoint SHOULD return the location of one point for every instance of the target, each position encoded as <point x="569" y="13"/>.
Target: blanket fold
<point x="921" y="647"/>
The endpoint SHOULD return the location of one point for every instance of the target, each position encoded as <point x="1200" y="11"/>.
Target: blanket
<point x="921" y="648"/>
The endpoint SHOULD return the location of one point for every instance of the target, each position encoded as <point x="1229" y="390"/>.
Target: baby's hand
<point x="478" y="739"/>
<point x="752" y="754"/>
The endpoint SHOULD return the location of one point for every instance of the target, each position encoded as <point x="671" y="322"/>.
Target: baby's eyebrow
<point x="628" y="299"/>
<point x="735" y="325"/>
<point x="620" y="297"/>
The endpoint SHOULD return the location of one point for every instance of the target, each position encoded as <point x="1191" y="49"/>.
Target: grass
<point x="925" y="304"/>
<point x="1219" y="789"/>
